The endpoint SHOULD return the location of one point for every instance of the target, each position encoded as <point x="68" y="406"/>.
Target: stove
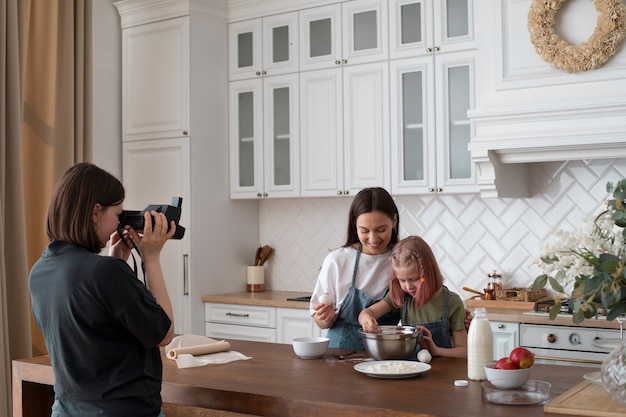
<point x="568" y="345"/>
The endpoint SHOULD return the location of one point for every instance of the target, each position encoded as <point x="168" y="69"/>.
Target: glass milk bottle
<point x="479" y="345"/>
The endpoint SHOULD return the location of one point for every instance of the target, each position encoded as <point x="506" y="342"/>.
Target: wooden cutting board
<point x="585" y="399"/>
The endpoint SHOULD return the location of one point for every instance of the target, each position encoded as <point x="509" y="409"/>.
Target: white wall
<point x="107" y="87"/>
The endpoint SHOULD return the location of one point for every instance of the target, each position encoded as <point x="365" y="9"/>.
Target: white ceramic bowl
<point x="310" y="347"/>
<point x="506" y="378"/>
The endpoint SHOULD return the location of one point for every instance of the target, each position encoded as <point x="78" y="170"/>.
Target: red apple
<point x="505" y="363"/>
<point x="522" y="357"/>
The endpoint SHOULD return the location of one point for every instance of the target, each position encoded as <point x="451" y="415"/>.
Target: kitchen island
<point x="275" y="382"/>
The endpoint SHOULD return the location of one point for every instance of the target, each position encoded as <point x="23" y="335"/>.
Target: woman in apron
<point x="418" y="294"/>
<point x="357" y="274"/>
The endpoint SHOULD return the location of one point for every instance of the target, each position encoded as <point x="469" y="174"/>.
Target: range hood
<point x="505" y="140"/>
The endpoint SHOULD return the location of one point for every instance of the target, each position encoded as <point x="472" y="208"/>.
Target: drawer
<point x="225" y="331"/>
<point x="244" y="315"/>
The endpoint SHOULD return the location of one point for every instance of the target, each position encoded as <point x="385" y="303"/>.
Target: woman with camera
<point x="102" y="326"/>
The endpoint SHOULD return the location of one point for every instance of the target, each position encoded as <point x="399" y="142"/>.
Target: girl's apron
<point x="440" y="330"/>
<point x="345" y="332"/>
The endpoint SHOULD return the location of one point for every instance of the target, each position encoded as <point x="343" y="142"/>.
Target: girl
<point x="417" y="293"/>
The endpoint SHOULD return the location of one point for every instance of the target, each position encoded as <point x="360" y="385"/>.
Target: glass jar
<point x="613" y="373"/>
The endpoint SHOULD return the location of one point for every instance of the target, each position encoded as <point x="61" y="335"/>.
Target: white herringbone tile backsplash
<point x="469" y="235"/>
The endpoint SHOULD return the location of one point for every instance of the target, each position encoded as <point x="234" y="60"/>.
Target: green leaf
<point x="555" y="285"/>
<point x="540" y="282"/>
<point x="555" y="309"/>
<point x="578" y="317"/>
<point x="616" y="311"/>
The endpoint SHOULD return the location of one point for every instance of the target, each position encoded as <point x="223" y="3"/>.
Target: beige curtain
<point x="45" y="60"/>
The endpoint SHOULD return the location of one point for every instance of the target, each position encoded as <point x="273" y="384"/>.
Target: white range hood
<point x="505" y="140"/>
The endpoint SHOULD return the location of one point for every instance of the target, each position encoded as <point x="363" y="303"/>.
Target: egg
<point x="326" y="299"/>
<point x="424" y="356"/>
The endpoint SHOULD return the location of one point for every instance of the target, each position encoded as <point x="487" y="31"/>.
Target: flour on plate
<point x="391" y="368"/>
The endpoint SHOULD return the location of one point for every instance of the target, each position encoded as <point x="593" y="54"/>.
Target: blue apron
<point x="345" y="331"/>
<point x="440" y="329"/>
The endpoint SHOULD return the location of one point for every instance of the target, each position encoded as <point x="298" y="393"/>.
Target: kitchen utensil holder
<point x="255" y="278"/>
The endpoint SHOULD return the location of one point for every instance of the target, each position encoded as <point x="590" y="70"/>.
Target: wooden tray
<point x="585" y="399"/>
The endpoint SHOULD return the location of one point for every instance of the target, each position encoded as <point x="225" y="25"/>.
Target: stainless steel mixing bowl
<point x="391" y="342"/>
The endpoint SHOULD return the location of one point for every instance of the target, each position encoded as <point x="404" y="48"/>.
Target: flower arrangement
<point x="589" y="263"/>
<point x="603" y="43"/>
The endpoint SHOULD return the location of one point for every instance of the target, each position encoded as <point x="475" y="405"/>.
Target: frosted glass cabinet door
<point x="280" y="44"/>
<point x="320" y="37"/>
<point x="413" y="141"/>
<point x="246" y="135"/>
<point x="365" y="31"/>
<point x="455" y="89"/>
<point x="282" y="136"/>
<point x="244" y="47"/>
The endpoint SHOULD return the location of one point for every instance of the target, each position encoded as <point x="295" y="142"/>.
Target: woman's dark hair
<point x="414" y="252"/>
<point x="70" y="211"/>
<point x="367" y="201"/>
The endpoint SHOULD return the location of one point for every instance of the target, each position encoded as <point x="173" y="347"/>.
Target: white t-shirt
<point x="335" y="277"/>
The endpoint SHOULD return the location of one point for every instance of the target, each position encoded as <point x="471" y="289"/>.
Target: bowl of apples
<point x="511" y="371"/>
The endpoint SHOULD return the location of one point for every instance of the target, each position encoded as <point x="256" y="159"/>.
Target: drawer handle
<point x="237" y="315"/>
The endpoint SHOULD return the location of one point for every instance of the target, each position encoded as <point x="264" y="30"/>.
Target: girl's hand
<point x="426" y="342"/>
<point x="370" y="325"/>
<point x="154" y="237"/>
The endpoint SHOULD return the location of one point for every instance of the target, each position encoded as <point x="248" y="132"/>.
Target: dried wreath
<point x="603" y="43"/>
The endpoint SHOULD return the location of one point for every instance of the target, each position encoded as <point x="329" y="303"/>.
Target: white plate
<point x="594" y="377"/>
<point x="392" y="369"/>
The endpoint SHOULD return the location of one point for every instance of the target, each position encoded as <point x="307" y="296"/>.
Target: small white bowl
<point x="310" y="347"/>
<point x="506" y="378"/>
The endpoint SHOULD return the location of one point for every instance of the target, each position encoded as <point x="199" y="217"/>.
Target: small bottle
<point x="479" y="345"/>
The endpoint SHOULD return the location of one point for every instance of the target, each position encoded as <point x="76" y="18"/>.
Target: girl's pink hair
<point x="413" y="251"/>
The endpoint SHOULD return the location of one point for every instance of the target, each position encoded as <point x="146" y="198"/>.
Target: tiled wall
<point x="469" y="235"/>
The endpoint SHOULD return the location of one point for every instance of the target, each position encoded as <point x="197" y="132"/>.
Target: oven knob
<point x="574" y="339"/>
<point x="551" y="338"/>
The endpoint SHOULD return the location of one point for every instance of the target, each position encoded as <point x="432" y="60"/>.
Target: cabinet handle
<point x="263" y="72"/>
<point x="429" y="50"/>
<point x="259" y="195"/>
<point x="237" y="315"/>
<point x="344" y="61"/>
<point x="500" y="326"/>
<point x="185" y="133"/>
<point x="439" y="189"/>
<point x="436" y="49"/>
<point x="264" y="194"/>
<point x="431" y="190"/>
<point x="338" y="62"/>
<point x="339" y="192"/>
<point x="185" y="274"/>
<point x="258" y="73"/>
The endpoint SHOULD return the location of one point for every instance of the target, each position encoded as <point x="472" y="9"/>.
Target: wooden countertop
<point x="275" y="382"/>
<point x="263" y="298"/>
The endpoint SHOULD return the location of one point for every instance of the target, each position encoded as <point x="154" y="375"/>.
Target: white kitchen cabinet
<point x="258" y="323"/>
<point x="263" y="46"/>
<point x="156" y="106"/>
<point x="430" y="96"/>
<point x="264" y="137"/>
<point x="421" y="27"/>
<point x="154" y="172"/>
<point x="347" y="33"/>
<point x="430" y="131"/>
<point x="344" y="118"/>
<point x="175" y="143"/>
<point x="505" y="338"/>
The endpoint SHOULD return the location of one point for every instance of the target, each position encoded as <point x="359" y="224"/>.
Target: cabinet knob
<point x="346" y="192"/>
<point x="436" y="49"/>
<point x="258" y="73"/>
<point x="551" y="338"/>
<point x="185" y="133"/>
<point x="338" y="62"/>
<point x="500" y="326"/>
<point x="339" y="192"/>
<point x="263" y="72"/>
<point x="431" y="190"/>
<point x="259" y="195"/>
<point x="439" y="189"/>
<point x="264" y="194"/>
<point x="429" y="50"/>
<point x="344" y="61"/>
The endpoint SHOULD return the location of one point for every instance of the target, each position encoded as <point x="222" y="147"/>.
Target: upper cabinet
<point x="431" y="92"/>
<point x="352" y="32"/>
<point x="156" y="106"/>
<point x="264" y="46"/>
<point x="421" y="27"/>
<point x="264" y="137"/>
